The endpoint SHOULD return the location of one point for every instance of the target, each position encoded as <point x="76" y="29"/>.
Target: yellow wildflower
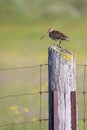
<point x="16" y="112"/>
<point x="26" y="110"/>
<point x="13" y="107"/>
<point x="34" y="119"/>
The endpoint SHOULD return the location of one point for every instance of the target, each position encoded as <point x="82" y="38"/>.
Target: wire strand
<point x="23" y="67"/>
<point x="22" y="123"/>
<point x="22" y="94"/>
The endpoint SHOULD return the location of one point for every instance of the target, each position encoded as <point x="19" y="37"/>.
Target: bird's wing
<point x="56" y="34"/>
<point x="63" y="35"/>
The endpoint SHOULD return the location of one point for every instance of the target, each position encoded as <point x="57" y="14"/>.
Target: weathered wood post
<point x="62" y="89"/>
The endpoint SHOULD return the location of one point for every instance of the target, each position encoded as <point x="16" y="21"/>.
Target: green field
<point x="20" y="45"/>
<point x="17" y="41"/>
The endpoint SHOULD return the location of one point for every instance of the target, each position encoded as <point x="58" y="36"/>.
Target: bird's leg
<point x="59" y="43"/>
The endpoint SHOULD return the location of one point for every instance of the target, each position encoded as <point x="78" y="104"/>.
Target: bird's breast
<point x="53" y="36"/>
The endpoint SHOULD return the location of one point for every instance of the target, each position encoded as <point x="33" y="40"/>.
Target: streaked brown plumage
<point x="56" y="35"/>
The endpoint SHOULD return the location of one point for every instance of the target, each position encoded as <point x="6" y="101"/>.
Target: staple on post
<point x="62" y="81"/>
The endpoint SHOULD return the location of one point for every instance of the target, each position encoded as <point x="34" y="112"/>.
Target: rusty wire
<point x="84" y="97"/>
<point x="22" y="67"/>
<point x="40" y="97"/>
<point x="40" y="92"/>
<point x="21" y="94"/>
<point x="22" y="123"/>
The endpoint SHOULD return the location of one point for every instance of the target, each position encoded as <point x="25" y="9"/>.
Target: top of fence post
<point x="62" y="60"/>
<point x="62" y="81"/>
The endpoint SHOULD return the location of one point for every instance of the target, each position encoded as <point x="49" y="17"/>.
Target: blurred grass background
<point x="22" y="23"/>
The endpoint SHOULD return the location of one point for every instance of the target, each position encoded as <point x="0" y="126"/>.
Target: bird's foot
<point x="59" y="46"/>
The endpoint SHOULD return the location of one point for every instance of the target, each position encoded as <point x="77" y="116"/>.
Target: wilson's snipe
<point x="56" y="35"/>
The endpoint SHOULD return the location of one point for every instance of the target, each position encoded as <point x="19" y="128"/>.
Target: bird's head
<point x="49" y="30"/>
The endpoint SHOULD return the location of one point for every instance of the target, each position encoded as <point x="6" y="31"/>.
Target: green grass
<point x="20" y="45"/>
<point x="17" y="40"/>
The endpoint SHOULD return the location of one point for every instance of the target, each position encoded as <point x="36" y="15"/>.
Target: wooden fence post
<point x="62" y="89"/>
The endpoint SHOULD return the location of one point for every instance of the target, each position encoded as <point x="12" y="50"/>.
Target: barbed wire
<point x="40" y="92"/>
<point x="22" y="94"/>
<point x="81" y="65"/>
<point x="25" y="122"/>
<point x="22" y="67"/>
<point x="33" y="66"/>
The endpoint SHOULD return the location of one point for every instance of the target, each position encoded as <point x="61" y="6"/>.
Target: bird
<point x="56" y="35"/>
